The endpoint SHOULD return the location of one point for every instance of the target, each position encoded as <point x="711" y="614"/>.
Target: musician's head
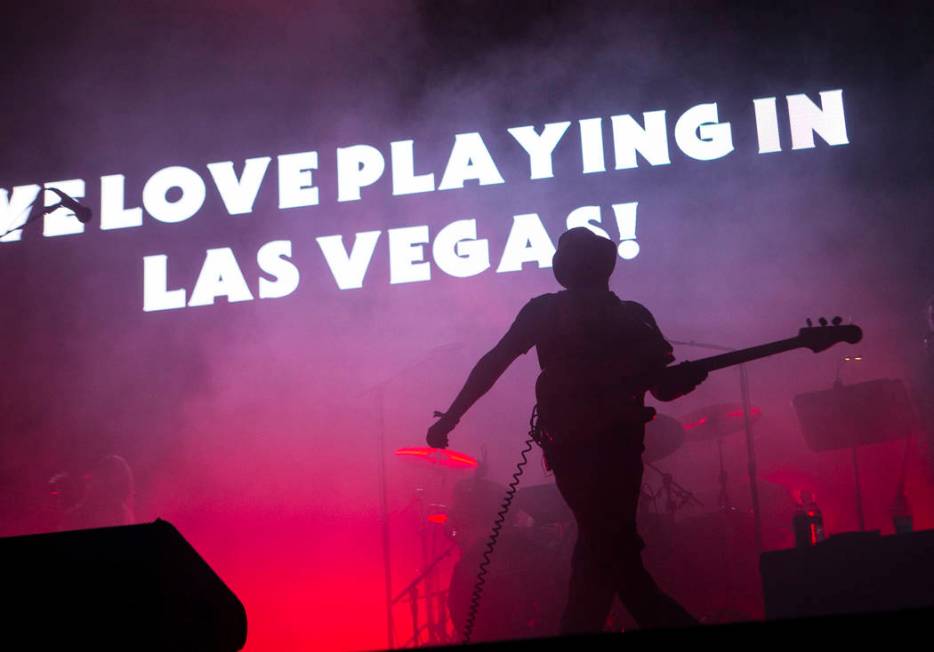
<point x="583" y="260"/>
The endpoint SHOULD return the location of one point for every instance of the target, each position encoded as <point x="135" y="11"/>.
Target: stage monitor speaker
<point x="132" y="587"/>
<point x="857" y="572"/>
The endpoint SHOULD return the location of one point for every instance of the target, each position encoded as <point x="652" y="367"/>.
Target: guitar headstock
<point x="819" y="338"/>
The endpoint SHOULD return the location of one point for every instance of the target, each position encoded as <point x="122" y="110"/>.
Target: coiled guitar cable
<point x="534" y="436"/>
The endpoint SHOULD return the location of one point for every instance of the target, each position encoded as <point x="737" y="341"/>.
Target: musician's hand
<point x="438" y="432"/>
<point x="678" y="381"/>
<point x="686" y="379"/>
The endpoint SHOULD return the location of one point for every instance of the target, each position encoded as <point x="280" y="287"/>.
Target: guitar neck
<point x="746" y="355"/>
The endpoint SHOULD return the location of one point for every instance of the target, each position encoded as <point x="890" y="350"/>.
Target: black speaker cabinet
<point x="132" y="587"/>
<point x="850" y="573"/>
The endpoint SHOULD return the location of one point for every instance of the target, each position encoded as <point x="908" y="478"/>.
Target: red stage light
<point x="439" y="456"/>
<point x="753" y="413"/>
<point x="695" y="424"/>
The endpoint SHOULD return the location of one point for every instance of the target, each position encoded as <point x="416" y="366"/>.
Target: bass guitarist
<point x="591" y="423"/>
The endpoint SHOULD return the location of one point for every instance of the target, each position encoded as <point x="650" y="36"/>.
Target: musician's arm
<point x="672" y="381"/>
<point x="518" y="340"/>
<point x="482" y="378"/>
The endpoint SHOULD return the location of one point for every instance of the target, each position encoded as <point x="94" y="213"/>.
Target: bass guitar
<point x="566" y="405"/>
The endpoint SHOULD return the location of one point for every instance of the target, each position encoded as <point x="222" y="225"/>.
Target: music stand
<point x="850" y="416"/>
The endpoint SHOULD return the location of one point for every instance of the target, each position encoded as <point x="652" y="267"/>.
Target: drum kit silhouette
<point x="526" y="585"/>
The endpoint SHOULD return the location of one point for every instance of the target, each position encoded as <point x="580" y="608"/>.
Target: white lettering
<point x="348" y="270"/>
<point x="592" y="145"/>
<point x="62" y="221"/>
<point x="296" y="186"/>
<point x="113" y="214"/>
<point x="14" y="210"/>
<point x="457" y="251"/>
<point x="767" y="125"/>
<point x="155" y="282"/>
<point x="630" y="137"/>
<point x="274" y="258"/>
<point x="155" y="194"/>
<point x="700" y="136"/>
<point x="528" y="242"/>
<point x="357" y="166"/>
<point x="407" y="262"/>
<point x="827" y="120"/>
<point x="220" y="277"/>
<point x="239" y="195"/>
<point x="404" y="179"/>
<point x="469" y="159"/>
<point x="587" y="217"/>
<point x="540" y="147"/>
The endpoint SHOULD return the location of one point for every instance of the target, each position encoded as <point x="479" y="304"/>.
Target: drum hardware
<point x="436" y="621"/>
<point x="676" y="496"/>
<point x="435" y="522"/>
<point x="747" y="427"/>
<point x="378" y="394"/>
<point x="444" y="457"/>
<point x="715" y="422"/>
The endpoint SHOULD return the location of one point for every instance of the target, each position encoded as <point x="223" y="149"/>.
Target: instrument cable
<point x="534" y="436"/>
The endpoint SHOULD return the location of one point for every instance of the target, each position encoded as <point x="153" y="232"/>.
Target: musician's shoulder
<point x="638" y="311"/>
<point x="543" y="299"/>
<point x="634" y="305"/>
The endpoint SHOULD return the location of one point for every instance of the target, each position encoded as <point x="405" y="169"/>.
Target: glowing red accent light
<point x="695" y="424"/>
<point x="438" y="519"/>
<point x="439" y="456"/>
<point x="753" y="412"/>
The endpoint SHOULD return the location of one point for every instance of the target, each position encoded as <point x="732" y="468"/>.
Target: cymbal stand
<point x="378" y="392"/>
<point x="435" y="624"/>
<point x="723" y="500"/>
<point x="426" y="598"/>
<point x="750" y="444"/>
<point x="673" y="490"/>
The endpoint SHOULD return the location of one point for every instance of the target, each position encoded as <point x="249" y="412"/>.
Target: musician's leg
<point x="584" y="481"/>
<point x="590" y="594"/>
<point x="642" y="597"/>
<point x="636" y="588"/>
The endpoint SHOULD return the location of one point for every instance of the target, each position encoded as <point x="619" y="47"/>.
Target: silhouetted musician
<point x="591" y="429"/>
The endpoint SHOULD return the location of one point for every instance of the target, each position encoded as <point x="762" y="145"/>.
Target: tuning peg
<point x="822" y="321"/>
<point x="836" y="321"/>
<point x="809" y="322"/>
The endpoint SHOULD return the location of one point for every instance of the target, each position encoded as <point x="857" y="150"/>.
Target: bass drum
<point x="525" y="588"/>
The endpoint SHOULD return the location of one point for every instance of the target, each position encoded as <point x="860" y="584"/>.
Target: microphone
<point x="82" y="212"/>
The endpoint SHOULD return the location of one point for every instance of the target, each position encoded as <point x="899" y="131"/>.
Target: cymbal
<point x="715" y="421"/>
<point x="663" y="436"/>
<point x="443" y="457"/>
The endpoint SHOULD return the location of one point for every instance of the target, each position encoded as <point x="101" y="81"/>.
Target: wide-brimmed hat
<point x="583" y="258"/>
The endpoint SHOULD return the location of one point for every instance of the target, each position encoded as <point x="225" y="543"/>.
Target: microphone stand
<point x="750" y="444"/>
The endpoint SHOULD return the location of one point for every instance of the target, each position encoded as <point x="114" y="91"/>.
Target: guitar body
<point x="576" y="409"/>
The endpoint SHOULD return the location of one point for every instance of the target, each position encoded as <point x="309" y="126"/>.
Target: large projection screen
<point x="309" y="220"/>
